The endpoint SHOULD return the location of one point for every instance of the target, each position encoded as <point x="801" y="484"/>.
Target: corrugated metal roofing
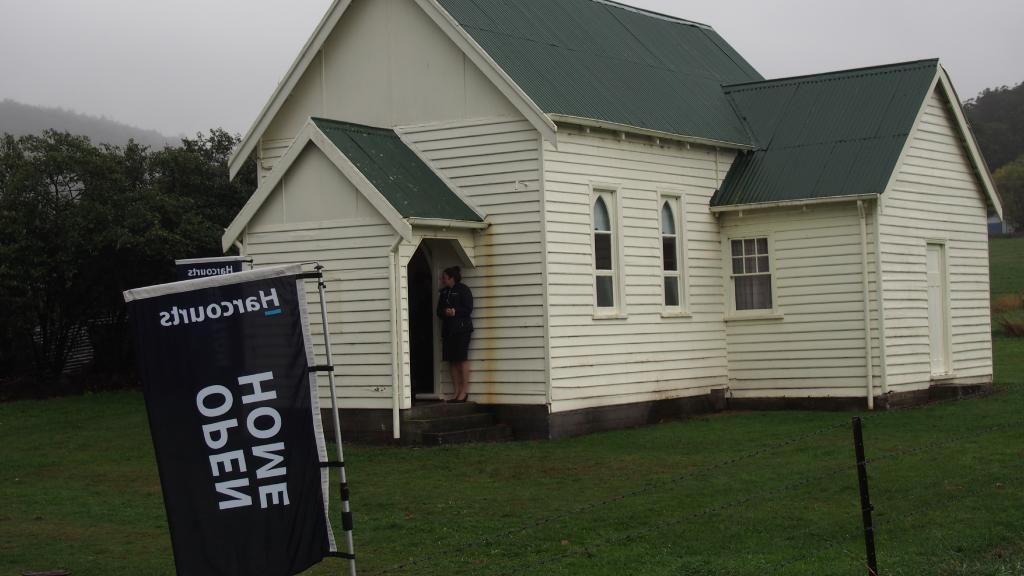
<point x="396" y="171"/>
<point x="826" y="135"/>
<point x="602" y="61"/>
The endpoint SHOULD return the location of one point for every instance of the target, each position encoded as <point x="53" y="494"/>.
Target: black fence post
<point x="865" y="498"/>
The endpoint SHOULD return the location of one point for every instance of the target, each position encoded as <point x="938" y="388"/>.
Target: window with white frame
<point x="751" y="274"/>
<point x="671" y="252"/>
<point x="605" y="260"/>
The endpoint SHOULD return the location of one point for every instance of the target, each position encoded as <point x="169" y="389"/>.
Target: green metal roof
<point x="603" y="61"/>
<point x="396" y="171"/>
<point x="826" y="135"/>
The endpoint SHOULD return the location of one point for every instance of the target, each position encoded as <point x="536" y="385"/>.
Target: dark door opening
<point x="421" y="323"/>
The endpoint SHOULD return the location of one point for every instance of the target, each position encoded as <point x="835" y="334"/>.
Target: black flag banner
<point x="233" y="410"/>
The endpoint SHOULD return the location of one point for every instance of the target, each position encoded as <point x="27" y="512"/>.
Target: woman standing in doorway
<point x="455" y="308"/>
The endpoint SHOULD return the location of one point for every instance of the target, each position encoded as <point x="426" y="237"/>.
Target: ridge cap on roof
<point x="652" y="13"/>
<point x="831" y="75"/>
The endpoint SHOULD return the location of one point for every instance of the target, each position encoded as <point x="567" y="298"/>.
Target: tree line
<point x="79" y="224"/>
<point x="997" y="119"/>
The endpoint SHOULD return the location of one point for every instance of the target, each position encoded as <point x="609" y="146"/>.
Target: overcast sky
<point x="180" y="66"/>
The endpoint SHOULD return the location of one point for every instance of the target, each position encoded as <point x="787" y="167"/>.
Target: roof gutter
<point x="442" y="223"/>
<point x="613" y="126"/>
<point x="790" y="203"/>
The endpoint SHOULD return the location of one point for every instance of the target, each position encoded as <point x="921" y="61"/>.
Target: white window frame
<point x="677" y="200"/>
<point x="730" y="286"/>
<point x="611" y="194"/>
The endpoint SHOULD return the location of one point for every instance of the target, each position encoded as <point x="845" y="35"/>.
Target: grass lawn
<point x="735" y="493"/>
<point x="79" y="490"/>
<point x="1006" y="260"/>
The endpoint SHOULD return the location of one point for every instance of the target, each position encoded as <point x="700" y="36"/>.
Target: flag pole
<point x="346" y="511"/>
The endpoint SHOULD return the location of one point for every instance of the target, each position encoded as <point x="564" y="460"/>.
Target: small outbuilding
<point x="650" y="227"/>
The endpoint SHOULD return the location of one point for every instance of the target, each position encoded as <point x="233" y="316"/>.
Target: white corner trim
<point x="526" y="106"/>
<point x="967" y="137"/>
<point x="285" y="87"/>
<point x="545" y="267"/>
<point x="880" y="298"/>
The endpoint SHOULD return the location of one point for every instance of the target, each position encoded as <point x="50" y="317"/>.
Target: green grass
<point x="1006" y="261"/>
<point x="736" y="494"/>
<point x="79" y="490"/>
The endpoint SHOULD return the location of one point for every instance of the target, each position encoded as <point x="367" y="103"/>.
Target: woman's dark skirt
<point x="455" y="348"/>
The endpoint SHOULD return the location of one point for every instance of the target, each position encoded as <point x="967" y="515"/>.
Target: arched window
<point x="604" y="253"/>
<point x="670" y="255"/>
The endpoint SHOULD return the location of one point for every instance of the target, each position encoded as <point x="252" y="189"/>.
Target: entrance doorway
<point x="421" y="323"/>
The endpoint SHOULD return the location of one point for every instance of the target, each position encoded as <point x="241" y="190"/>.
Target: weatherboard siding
<point x="815" y="345"/>
<point x="495" y="163"/>
<point x="300" y="223"/>
<point x="935" y="196"/>
<point x="385" y="64"/>
<point x="644" y="355"/>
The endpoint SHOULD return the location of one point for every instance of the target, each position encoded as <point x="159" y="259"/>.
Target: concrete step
<point x="440" y="410"/>
<point x="450" y="423"/>
<point x="496" y="433"/>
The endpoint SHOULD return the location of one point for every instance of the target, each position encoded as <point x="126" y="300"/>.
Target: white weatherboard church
<point x="649" y="227"/>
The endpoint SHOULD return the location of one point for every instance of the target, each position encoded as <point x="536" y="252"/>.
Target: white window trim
<point x="615" y="192"/>
<point x="732" y="314"/>
<point x="682" y="254"/>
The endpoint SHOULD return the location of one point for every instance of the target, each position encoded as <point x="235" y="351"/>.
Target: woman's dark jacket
<point x="460" y="298"/>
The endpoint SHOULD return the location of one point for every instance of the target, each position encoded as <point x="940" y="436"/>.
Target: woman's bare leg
<point x="453" y="369"/>
<point x="464" y="369"/>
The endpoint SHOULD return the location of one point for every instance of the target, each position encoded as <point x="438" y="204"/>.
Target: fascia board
<point x="627" y="129"/>
<point x="792" y="203"/>
<point x="284" y="88"/>
<point x="252" y="206"/>
<point x="969" y="140"/>
<point x="447" y="223"/>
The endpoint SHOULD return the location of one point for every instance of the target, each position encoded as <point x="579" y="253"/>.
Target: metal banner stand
<point x="346" y="512"/>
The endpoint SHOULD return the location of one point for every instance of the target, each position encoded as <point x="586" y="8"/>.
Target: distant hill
<point x="997" y="117"/>
<point x="22" y="119"/>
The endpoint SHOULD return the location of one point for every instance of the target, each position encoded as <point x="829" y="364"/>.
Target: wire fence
<point x="511" y="552"/>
